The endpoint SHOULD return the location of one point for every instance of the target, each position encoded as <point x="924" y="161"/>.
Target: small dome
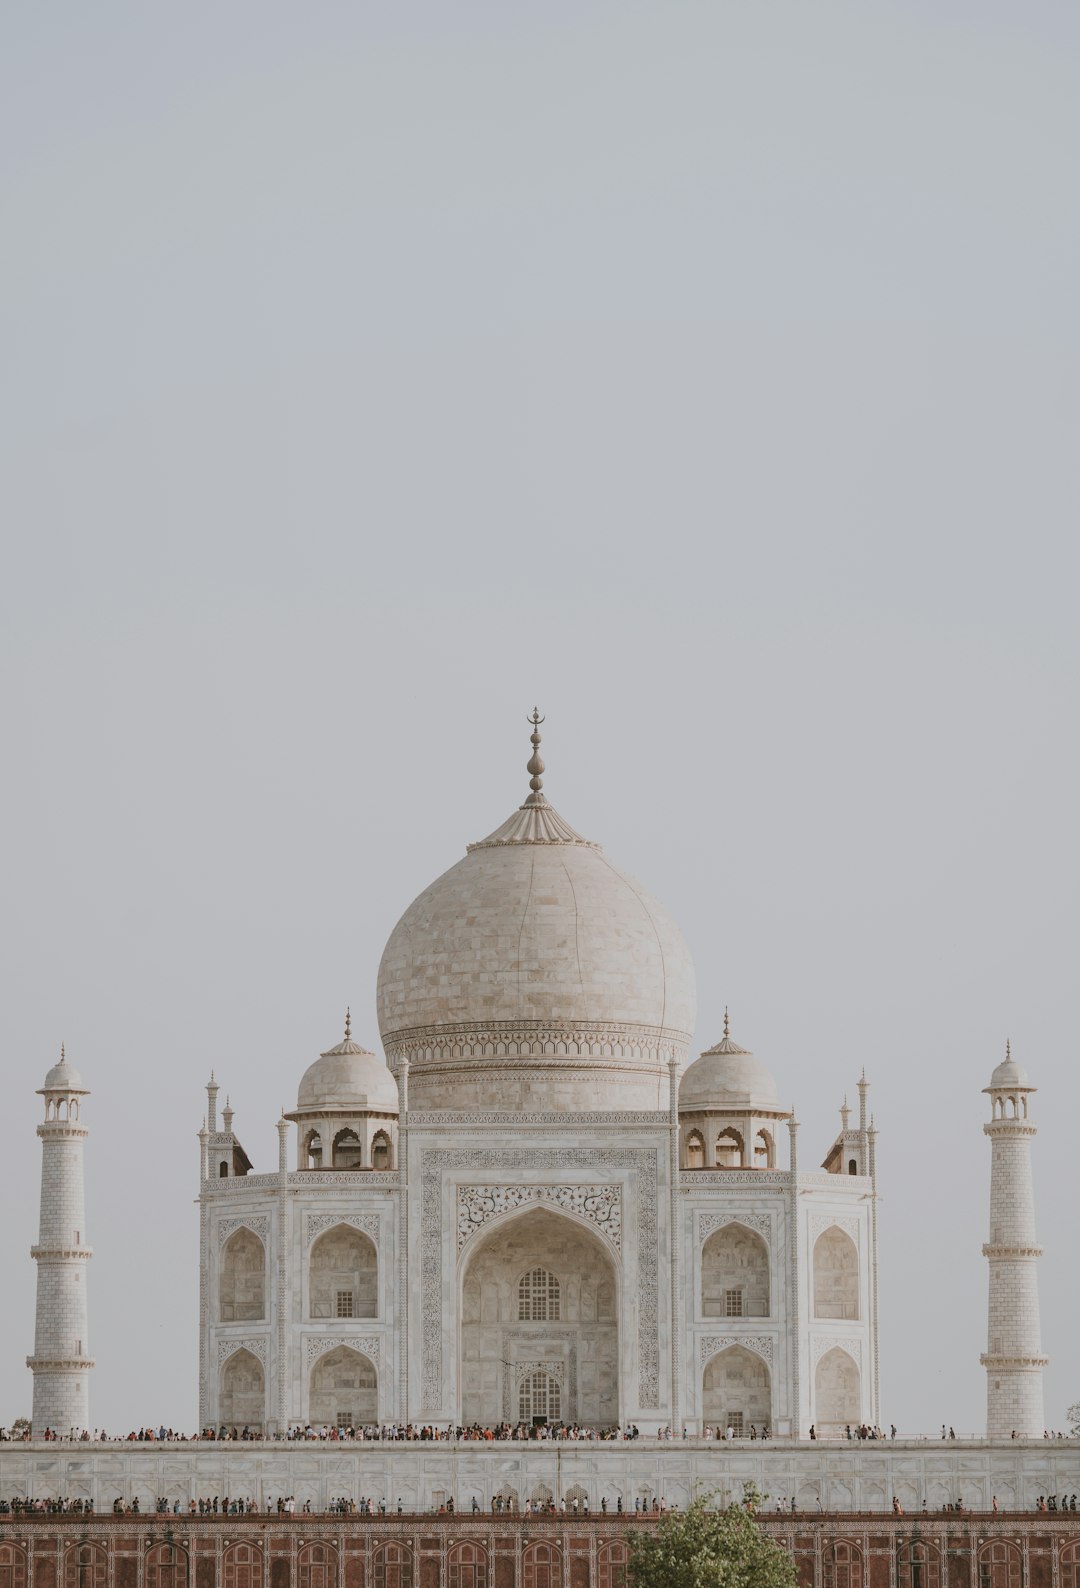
<point x="1009" y="1074"/>
<point x="63" y="1077"/>
<point x="728" y="1079"/>
<point x="347" y="1078"/>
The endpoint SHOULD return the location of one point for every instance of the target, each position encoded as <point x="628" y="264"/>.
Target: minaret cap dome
<point x="727" y="1077"/>
<point x="63" y="1077"/>
<point x="1009" y="1075"/>
<point x="347" y="1077"/>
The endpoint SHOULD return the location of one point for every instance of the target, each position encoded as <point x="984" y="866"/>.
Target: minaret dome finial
<point x="348" y="1022"/>
<point x="1008" y="1050"/>
<point x="727" y="1024"/>
<point x="61" y="1053"/>
<point x="535" y="765"/>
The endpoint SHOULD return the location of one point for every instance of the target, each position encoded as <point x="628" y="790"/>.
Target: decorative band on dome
<point x="534" y="823"/>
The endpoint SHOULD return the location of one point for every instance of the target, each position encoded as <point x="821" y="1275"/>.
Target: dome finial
<point x="348" y="1022"/>
<point x="1008" y="1050"/>
<point x="61" y="1053"/>
<point x="727" y="1024"/>
<point x="535" y="766"/>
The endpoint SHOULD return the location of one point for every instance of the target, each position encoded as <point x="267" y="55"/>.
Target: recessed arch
<point x="242" y="1277"/>
<point x="343" y="1274"/>
<point x="539" y="1296"/>
<point x="317" y="1566"/>
<point x="392" y="1566"/>
<point x="611" y="1563"/>
<point x="1000" y="1564"/>
<point x="86" y="1566"/>
<point x="344" y="1389"/>
<point x="735" y="1273"/>
<point x="242" y="1566"/>
<point x="764" y="1149"/>
<point x="730" y="1149"/>
<point x="836" y="1275"/>
<point x="694" y="1153"/>
<point x="382" y="1154"/>
<point x="918" y="1564"/>
<point x="541" y="1565"/>
<point x="242" y="1399"/>
<point x="311" y="1156"/>
<point x="467" y="1566"/>
<point x="347" y="1151"/>
<point x="498" y="1346"/>
<point x="166" y="1566"/>
<point x="843" y="1563"/>
<point x="737" y="1390"/>
<point x="837" y="1392"/>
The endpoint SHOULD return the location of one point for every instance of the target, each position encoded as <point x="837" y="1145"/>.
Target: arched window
<point x="166" y="1567"/>
<point x="391" y="1566"/>
<point x="344" y="1390"/>
<point x="86" y="1566"/>
<point x="538" y="1296"/>
<point x="730" y="1149"/>
<point x="539" y="1396"/>
<point x="241" y="1287"/>
<point x="343" y="1275"/>
<point x="611" y="1565"/>
<point x="836" y="1392"/>
<point x="380" y="1150"/>
<point x="918" y="1565"/>
<point x="242" y="1566"/>
<point x="737" y="1390"/>
<point x="312" y="1150"/>
<point x="317" y="1566"/>
<point x="999" y="1565"/>
<point x="223" y="1170"/>
<point x="734" y="1274"/>
<point x="467" y="1566"/>
<point x="843" y="1565"/>
<point x="12" y="1566"/>
<point x="836" y="1275"/>
<point x="347" y="1150"/>
<point x="764" y="1150"/>
<point x="242" y="1403"/>
<point x="695" y="1150"/>
<point x="1070" y="1567"/>
<point x="542" y="1566"/>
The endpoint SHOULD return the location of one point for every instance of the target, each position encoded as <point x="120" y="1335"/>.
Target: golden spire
<point x="534" y="765"/>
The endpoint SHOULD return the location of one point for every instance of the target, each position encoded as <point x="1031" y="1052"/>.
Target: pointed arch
<point x="347" y="1152"/>
<point x="730" y="1149"/>
<point x="836" y="1275"/>
<point x="242" y="1399"/>
<point x="311" y="1154"/>
<point x="735" y="1273"/>
<point x="166" y="1566"/>
<point x="611" y="1565"/>
<point x="242" y="1566"/>
<point x="541" y="1565"/>
<point x="1000" y="1564"/>
<point x="843" y="1564"/>
<point x="467" y="1566"/>
<point x="242" y="1277"/>
<point x="918" y="1564"/>
<point x="837" y="1392"/>
<point x="392" y="1566"/>
<point x="343" y="1274"/>
<point x="344" y="1389"/>
<point x="694" y="1155"/>
<point x="317" y="1566"/>
<point x="737" y="1390"/>
<point x="12" y="1566"/>
<point x="382" y="1152"/>
<point x="86" y="1566"/>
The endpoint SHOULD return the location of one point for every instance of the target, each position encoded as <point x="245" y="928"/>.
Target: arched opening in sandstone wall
<point x="734" y="1274"/>
<point x="737" y="1391"/>
<point x="836" y="1393"/>
<point x="836" y="1275"/>
<point x="344" y="1389"/>
<point x="539" y="1297"/>
<point x="343" y="1275"/>
<point x="242" y="1280"/>
<point x="242" y="1403"/>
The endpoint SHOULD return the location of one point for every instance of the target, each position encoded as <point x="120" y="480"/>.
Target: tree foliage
<point x="1073" y="1414"/>
<point x="705" y="1548"/>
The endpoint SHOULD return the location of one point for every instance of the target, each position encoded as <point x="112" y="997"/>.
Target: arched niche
<point x="344" y="1389"/>
<point x="165" y="1566"/>
<point x="347" y="1150"/>
<point x="392" y="1566"/>
<point x="734" y="1274"/>
<point x="737" y="1390"/>
<point x="86" y="1566"/>
<point x="312" y="1154"/>
<point x="242" y="1278"/>
<point x="836" y="1275"/>
<point x="694" y="1153"/>
<point x="317" y="1566"/>
<point x="467" y="1566"/>
<point x="381" y="1154"/>
<point x="242" y="1566"/>
<point x="730" y="1149"/>
<point x="343" y="1275"/>
<point x="565" y="1265"/>
<point x="837" y="1393"/>
<point x="843" y="1564"/>
<point x="242" y="1400"/>
<point x="764" y="1150"/>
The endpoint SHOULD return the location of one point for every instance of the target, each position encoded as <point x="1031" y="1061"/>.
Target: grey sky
<point x="703" y="372"/>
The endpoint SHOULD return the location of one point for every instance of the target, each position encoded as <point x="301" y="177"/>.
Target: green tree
<point x="705" y="1548"/>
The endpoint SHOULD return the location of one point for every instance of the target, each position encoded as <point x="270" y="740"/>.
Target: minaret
<point x="1013" y="1359"/>
<point x="61" y="1361"/>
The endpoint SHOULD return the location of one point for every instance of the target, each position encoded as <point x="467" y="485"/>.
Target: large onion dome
<point x="535" y="975"/>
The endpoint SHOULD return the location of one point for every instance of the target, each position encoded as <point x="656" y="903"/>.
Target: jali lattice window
<point x="539" y="1397"/>
<point x="538" y="1296"/>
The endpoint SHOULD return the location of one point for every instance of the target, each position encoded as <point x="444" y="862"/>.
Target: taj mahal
<point x="532" y="1206"/>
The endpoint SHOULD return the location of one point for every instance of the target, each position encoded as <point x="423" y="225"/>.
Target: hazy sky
<point x="705" y="373"/>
